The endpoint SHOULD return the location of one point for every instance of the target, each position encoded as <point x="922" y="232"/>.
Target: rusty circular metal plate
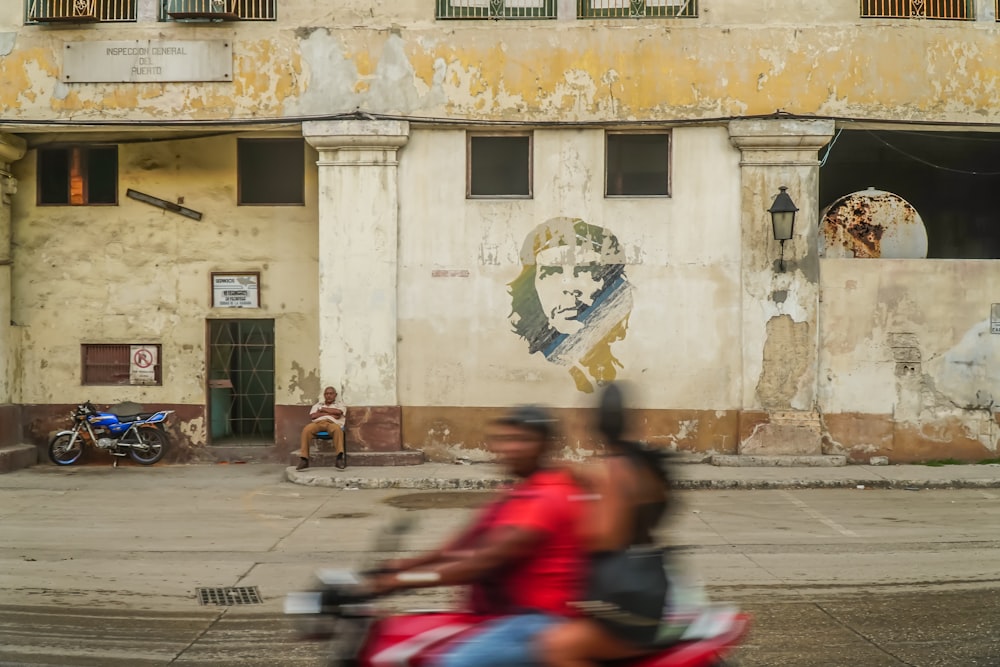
<point x="872" y="223"/>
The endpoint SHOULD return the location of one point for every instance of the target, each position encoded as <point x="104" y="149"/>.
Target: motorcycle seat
<point x="125" y="419"/>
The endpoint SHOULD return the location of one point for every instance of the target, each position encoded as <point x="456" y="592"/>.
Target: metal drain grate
<point x="228" y="596"/>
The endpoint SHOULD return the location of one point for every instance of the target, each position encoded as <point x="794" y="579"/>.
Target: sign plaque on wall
<point x="995" y="318"/>
<point x="235" y="290"/>
<point x="147" y="60"/>
<point x="142" y="364"/>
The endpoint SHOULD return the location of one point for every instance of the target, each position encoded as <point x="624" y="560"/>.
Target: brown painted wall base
<point x="10" y="425"/>
<point x="862" y="436"/>
<point x="446" y="434"/>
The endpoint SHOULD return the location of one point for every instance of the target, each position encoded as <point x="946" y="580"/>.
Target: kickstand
<point x="115" y="463"/>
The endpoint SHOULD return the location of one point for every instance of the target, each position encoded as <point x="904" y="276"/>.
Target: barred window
<point x="964" y="10"/>
<point x="220" y="10"/>
<point x="496" y="9"/>
<point x="636" y="9"/>
<point x="120" y="364"/>
<point x="80" y="11"/>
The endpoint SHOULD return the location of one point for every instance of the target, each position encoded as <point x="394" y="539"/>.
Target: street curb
<point x="860" y="484"/>
<point x="346" y="482"/>
<point x="419" y="483"/>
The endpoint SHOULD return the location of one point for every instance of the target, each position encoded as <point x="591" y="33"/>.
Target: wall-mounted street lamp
<point x="782" y="220"/>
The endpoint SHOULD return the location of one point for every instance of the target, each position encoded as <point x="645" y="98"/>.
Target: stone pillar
<point x="780" y="311"/>
<point x="11" y="149"/>
<point x="358" y="218"/>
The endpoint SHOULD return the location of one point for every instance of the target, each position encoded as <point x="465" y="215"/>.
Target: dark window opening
<point x="78" y="176"/>
<point x="638" y="165"/>
<point x="114" y="364"/>
<point x="950" y="178"/>
<point x="500" y="166"/>
<point x="271" y="171"/>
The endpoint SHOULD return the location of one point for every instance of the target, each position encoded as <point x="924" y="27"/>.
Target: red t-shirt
<point x="548" y="502"/>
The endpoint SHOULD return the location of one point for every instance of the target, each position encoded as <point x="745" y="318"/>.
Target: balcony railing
<point x="960" y="10"/>
<point x="220" y="10"/>
<point x="80" y="11"/>
<point x="636" y="9"/>
<point x="496" y="9"/>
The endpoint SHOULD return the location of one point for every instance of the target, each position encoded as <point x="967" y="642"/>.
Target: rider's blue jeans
<point x="504" y="642"/>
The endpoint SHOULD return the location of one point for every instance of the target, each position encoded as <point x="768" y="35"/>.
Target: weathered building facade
<point x="221" y="207"/>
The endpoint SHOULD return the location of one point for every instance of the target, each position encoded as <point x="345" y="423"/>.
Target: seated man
<point x="327" y="415"/>
<point x="522" y="556"/>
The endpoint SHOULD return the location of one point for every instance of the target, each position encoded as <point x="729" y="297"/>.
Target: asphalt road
<point x="99" y="566"/>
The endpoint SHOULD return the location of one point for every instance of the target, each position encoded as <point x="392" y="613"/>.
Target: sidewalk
<point x="688" y="476"/>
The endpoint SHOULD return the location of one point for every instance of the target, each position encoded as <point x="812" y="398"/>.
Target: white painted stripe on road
<point x="829" y="523"/>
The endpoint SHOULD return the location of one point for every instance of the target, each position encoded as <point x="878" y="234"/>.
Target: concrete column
<point x="780" y="333"/>
<point x="11" y="149"/>
<point x="358" y="217"/>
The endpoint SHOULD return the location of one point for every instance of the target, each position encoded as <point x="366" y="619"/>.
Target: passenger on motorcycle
<point x="523" y="555"/>
<point x="629" y="490"/>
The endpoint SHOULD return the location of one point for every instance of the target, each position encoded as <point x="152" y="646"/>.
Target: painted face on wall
<point x="572" y="299"/>
<point x="566" y="289"/>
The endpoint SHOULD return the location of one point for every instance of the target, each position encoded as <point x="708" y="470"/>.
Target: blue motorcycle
<point x="140" y="436"/>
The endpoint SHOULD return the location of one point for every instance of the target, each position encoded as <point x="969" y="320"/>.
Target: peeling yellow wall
<point x="134" y="273"/>
<point x="730" y="61"/>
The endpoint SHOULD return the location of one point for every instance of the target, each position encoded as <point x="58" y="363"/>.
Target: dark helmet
<point x="531" y="417"/>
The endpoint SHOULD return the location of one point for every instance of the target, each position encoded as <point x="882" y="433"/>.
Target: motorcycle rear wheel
<point x="62" y="453"/>
<point x="151" y="447"/>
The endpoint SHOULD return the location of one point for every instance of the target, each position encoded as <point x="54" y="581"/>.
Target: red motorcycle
<point x="338" y="610"/>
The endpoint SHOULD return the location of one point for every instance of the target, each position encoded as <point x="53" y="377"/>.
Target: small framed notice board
<point x="236" y="290"/>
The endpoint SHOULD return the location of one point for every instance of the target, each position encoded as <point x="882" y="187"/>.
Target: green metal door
<point x="241" y="382"/>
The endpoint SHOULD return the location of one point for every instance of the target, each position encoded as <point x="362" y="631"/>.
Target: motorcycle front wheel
<point x="151" y="446"/>
<point x="62" y="453"/>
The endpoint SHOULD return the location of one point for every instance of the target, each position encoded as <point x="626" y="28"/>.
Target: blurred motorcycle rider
<point x="523" y="555"/>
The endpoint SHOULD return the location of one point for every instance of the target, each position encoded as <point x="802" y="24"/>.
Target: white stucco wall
<point x="457" y="346"/>
<point x="134" y="273"/>
<point x="933" y="316"/>
<point x="9" y="347"/>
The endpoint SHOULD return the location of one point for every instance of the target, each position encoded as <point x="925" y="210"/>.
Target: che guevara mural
<point x="572" y="299"/>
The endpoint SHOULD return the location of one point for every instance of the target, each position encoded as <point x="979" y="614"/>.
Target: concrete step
<point x="15" y="457"/>
<point x="790" y="461"/>
<point x="403" y="457"/>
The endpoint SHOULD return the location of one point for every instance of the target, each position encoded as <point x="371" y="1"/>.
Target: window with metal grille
<point x="636" y="9"/>
<point x="962" y="10"/>
<point x="116" y="363"/>
<point x="80" y="11"/>
<point x="496" y="9"/>
<point x="271" y="171"/>
<point x="77" y="176"/>
<point x="219" y="10"/>
<point x="499" y="165"/>
<point x="638" y="164"/>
